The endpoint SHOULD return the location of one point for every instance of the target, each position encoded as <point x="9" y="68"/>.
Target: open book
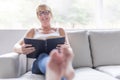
<point x="43" y="46"/>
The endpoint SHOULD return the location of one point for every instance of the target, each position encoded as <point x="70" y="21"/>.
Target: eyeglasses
<point x="40" y="13"/>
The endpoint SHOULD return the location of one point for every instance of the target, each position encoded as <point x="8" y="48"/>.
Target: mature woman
<point x="58" y="64"/>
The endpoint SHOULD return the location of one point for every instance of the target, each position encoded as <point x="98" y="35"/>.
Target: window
<point x="80" y="14"/>
<point x="74" y="13"/>
<point x="111" y="9"/>
<point x="18" y="14"/>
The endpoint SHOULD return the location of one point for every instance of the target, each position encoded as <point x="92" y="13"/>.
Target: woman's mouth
<point x="45" y="19"/>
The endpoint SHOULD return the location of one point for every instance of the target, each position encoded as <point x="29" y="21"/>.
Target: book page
<point x="50" y="37"/>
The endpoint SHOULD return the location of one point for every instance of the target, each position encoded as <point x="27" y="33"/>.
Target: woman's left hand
<point x="67" y="51"/>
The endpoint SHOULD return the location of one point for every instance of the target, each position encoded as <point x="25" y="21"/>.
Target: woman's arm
<point x="66" y="45"/>
<point x="63" y="33"/>
<point x="20" y="46"/>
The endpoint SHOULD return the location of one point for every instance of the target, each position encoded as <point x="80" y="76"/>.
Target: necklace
<point x="46" y="31"/>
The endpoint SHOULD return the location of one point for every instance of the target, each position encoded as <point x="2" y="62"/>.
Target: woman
<point x="55" y="66"/>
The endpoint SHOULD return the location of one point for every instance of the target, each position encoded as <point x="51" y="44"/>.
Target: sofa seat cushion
<point x="111" y="70"/>
<point x="91" y="74"/>
<point x="28" y="76"/>
<point x="85" y="73"/>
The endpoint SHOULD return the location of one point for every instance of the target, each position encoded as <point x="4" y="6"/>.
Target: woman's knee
<point x="42" y="64"/>
<point x="42" y="55"/>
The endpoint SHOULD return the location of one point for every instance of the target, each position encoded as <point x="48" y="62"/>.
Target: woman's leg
<point x="55" y="66"/>
<point x="69" y="72"/>
<point x="68" y="57"/>
<point x="59" y="66"/>
<point x="42" y="62"/>
<point x="39" y="65"/>
<point x="51" y="65"/>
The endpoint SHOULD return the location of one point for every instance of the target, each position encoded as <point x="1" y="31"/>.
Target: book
<point x="43" y="46"/>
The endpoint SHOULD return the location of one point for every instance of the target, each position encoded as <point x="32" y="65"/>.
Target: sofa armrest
<point x="12" y="65"/>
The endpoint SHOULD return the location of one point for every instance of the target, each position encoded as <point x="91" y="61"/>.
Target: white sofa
<point x="97" y="55"/>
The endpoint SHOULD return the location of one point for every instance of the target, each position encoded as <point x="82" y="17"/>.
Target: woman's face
<point x="44" y="16"/>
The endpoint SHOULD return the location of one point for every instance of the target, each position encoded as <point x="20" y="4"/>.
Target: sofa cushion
<point x="91" y="74"/>
<point x="80" y="45"/>
<point x="85" y="73"/>
<point x="9" y="38"/>
<point x="28" y="76"/>
<point x="105" y="46"/>
<point x="111" y="70"/>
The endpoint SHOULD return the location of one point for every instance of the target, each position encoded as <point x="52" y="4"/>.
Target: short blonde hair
<point x="43" y="7"/>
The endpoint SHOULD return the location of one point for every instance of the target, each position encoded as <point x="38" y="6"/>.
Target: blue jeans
<point x="39" y="65"/>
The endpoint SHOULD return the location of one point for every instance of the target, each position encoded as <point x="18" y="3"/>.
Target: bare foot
<point x="55" y="66"/>
<point x="68" y="57"/>
<point x="67" y="52"/>
<point x="69" y="73"/>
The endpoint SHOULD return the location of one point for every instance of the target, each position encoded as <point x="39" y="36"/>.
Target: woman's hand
<point x="61" y="46"/>
<point x="66" y="50"/>
<point x="27" y="49"/>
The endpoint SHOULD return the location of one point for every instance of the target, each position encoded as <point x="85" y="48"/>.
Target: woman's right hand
<point x="27" y="49"/>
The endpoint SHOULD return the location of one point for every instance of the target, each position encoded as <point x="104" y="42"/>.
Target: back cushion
<point x="105" y="46"/>
<point x="8" y="38"/>
<point x="80" y="45"/>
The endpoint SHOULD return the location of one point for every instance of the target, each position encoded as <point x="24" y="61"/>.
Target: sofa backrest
<point x="80" y="45"/>
<point x="104" y="44"/>
<point x="8" y="38"/>
<point x="105" y="47"/>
